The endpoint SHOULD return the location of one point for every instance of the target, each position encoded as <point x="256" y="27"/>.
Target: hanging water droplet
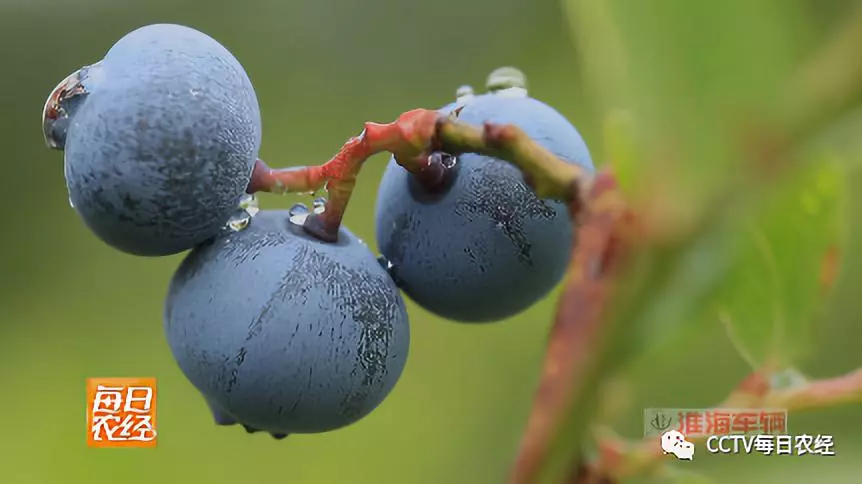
<point x="239" y="221"/>
<point x="249" y="204"/>
<point x="508" y="82"/>
<point x="318" y="206"/>
<point x="464" y="94"/>
<point x="298" y="213"/>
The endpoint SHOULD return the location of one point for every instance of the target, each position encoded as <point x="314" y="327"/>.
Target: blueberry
<point x="285" y="333"/>
<point x="160" y="139"/>
<point x="487" y="247"/>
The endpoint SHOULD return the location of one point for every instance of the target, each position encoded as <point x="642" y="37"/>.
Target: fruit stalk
<point x="413" y="139"/>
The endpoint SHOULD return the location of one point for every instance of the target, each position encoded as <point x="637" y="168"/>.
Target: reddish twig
<point x="407" y="137"/>
<point x="578" y="340"/>
<point x="415" y="139"/>
<point x="623" y="460"/>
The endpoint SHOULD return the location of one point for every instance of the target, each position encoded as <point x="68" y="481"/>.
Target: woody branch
<point x="578" y="352"/>
<point x="416" y="139"/>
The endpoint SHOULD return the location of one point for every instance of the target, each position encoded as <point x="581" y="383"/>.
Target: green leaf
<point x="773" y="292"/>
<point x="697" y="76"/>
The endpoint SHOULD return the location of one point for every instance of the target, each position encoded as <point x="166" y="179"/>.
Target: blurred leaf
<point x="771" y="296"/>
<point x="698" y="77"/>
<point x="621" y="148"/>
<point x="762" y="269"/>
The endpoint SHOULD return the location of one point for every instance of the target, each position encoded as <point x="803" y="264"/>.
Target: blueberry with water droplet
<point x="311" y="335"/>
<point x="487" y="248"/>
<point x="159" y="139"/>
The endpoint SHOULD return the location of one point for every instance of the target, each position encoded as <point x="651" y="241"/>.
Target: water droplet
<point x="388" y="266"/>
<point x="249" y="204"/>
<point x="239" y="221"/>
<point x="278" y="188"/>
<point x="298" y="209"/>
<point x="449" y="161"/>
<point x="298" y="213"/>
<point x="464" y="95"/>
<point x="318" y="206"/>
<point x="507" y="81"/>
<point x="464" y="90"/>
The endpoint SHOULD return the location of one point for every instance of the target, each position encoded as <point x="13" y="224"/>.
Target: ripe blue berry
<point x="160" y="139"/>
<point x="485" y="247"/>
<point x="284" y="333"/>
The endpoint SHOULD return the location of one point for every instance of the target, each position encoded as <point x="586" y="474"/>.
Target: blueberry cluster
<point x="281" y="331"/>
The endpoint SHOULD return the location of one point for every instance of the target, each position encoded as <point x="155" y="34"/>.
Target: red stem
<point x="579" y="338"/>
<point x="409" y="138"/>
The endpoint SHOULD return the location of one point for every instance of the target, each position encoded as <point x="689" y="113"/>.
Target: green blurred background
<point x="71" y="308"/>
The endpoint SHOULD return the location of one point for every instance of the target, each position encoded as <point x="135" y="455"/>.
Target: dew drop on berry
<point x="507" y="82"/>
<point x="249" y="203"/>
<point x="239" y="221"/>
<point x="448" y="161"/>
<point x="297" y="214"/>
<point x="388" y="266"/>
<point x="318" y="206"/>
<point x="464" y="94"/>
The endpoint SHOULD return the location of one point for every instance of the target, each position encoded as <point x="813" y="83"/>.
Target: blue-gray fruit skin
<point x="161" y="148"/>
<point x="487" y="248"/>
<point x="285" y="333"/>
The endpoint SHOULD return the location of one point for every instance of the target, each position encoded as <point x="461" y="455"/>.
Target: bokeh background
<point x="71" y="308"/>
